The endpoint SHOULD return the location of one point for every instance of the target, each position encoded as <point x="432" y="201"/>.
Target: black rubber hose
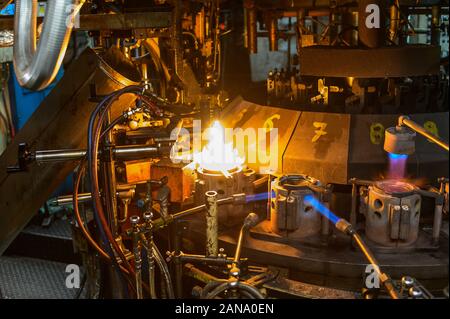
<point x="236" y="285"/>
<point x="89" y="238"/>
<point x="94" y="133"/>
<point x="164" y="271"/>
<point x="210" y="286"/>
<point x="93" y="137"/>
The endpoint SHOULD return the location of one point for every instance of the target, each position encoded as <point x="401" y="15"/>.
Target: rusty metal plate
<point x="319" y="147"/>
<point x="243" y="114"/>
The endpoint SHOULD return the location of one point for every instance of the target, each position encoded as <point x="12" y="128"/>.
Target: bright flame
<point x="218" y="155"/>
<point x="397" y="166"/>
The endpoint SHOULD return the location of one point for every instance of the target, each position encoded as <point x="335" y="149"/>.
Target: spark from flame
<point x="218" y="155"/>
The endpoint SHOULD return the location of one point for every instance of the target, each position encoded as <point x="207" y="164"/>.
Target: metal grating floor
<point x="59" y="228"/>
<point x="28" y="278"/>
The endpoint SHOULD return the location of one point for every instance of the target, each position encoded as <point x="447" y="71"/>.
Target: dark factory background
<point x="248" y="149"/>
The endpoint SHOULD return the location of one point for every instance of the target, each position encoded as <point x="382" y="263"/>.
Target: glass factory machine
<point x="245" y="149"/>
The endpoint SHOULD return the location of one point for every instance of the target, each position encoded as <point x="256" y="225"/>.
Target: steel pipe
<point x="406" y="121"/>
<point x="134" y="152"/>
<point x="52" y="156"/>
<point x="134" y="220"/>
<point x="437" y="223"/>
<point x="252" y="28"/>
<point x="212" y="224"/>
<point x="250" y="221"/>
<point x="347" y="228"/>
<point x="68" y="200"/>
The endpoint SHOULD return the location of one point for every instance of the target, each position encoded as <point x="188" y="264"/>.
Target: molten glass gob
<point x="219" y="155"/>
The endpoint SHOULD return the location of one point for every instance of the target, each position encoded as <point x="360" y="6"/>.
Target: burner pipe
<point x="250" y="221"/>
<point x="406" y="121"/>
<point x="347" y="228"/>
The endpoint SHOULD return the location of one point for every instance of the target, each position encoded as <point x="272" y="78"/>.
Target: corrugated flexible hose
<point x="36" y="64"/>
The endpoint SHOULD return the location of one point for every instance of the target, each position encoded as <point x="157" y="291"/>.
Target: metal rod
<point x="120" y="152"/>
<point x="212" y="224"/>
<point x="148" y="242"/>
<point x="68" y="200"/>
<point x="161" y="222"/>
<point x="404" y="120"/>
<point x="59" y="155"/>
<point x="188" y="258"/>
<point x="439" y="198"/>
<point x="252" y="32"/>
<point x="136" y="152"/>
<point x="347" y="228"/>
<point x="237" y="255"/>
<point x="437" y="223"/>
<point x="198" y="274"/>
<point x="148" y="198"/>
<point x="137" y="256"/>
<point x="436" y="25"/>
<point x="82" y="198"/>
<point x="394" y="20"/>
<point x="361" y="182"/>
<point x="353" y="212"/>
<point x="109" y="180"/>
<point x="200" y="208"/>
<point x="385" y="279"/>
<point x="250" y="221"/>
<point x="273" y="34"/>
<point x="177" y="262"/>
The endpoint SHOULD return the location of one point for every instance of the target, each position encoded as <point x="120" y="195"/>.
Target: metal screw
<point x="415" y="293"/>
<point x="134" y="220"/>
<point x="407" y="282"/>
<point x="147" y="216"/>
<point x="235" y="272"/>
